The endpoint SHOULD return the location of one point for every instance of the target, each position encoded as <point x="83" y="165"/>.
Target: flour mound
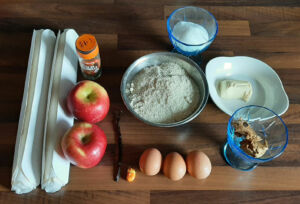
<point x="163" y="93"/>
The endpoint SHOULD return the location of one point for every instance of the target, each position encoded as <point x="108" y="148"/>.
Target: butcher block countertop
<point x="126" y="30"/>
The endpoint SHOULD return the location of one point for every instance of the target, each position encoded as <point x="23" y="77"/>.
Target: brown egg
<point x="174" y="166"/>
<point x="150" y="161"/>
<point x="198" y="164"/>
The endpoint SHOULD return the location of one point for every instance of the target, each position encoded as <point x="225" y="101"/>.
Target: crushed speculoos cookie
<point x="251" y="144"/>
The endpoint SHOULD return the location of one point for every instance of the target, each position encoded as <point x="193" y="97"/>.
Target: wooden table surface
<point x="126" y="29"/>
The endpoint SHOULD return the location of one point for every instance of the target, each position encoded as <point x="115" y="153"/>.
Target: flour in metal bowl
<point x="163" y="93"/>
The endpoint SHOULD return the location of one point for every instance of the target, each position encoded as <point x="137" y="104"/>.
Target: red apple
<point x="84" y="144"/>
<point x="88" y="101"/>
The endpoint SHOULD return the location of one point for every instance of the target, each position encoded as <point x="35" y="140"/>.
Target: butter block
<point x="235" y="89"/>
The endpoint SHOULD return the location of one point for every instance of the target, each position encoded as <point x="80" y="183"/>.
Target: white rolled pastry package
<point x="26" y="172"/>
<point x="55" y="168"/>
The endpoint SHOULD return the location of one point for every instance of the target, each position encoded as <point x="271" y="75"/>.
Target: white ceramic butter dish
<point x="268" y="90"/>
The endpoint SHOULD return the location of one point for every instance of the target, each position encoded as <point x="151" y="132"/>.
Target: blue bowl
<point x="267" y="124"/>
<point x="195" y="15"/>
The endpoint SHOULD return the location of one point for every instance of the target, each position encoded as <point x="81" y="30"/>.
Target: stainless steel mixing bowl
<point x="189" y="65"/>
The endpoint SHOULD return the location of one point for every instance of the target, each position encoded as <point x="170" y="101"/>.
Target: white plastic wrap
<point x="26" y="173"/>
<point x="55" y="168"/>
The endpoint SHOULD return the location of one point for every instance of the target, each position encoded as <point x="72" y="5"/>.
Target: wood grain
<point x="221" y="178"/>
<point x="73" y="11"/>
<point x="276" y="28"/>
<point x="211" y="197"/>
<point x="216" y="2"/>
<point x="87" y="197"/>
<point x="253" y="14"/>
<point x="268" y="30"/>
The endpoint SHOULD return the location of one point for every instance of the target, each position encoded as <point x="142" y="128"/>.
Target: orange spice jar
<point x="89" y="58"/>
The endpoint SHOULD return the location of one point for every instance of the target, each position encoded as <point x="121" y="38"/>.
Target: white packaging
<point x="55" y="168"/>
<point x="26" y="172"/>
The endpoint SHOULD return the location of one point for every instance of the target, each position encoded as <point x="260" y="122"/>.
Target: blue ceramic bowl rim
<point x="230" y="142"/>
<point x="172" y="36"/>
